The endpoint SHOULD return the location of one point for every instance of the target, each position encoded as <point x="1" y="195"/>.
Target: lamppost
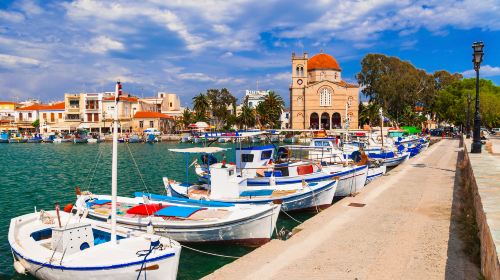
<point x="477" y="58"/>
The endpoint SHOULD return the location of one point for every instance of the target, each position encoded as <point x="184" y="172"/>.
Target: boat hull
<point x="351" y="181"/>
<point x="375" y="172"/>
<point x="390" y="162"/>
<point x="310" y="198"/>
<point x="102" y="261"/>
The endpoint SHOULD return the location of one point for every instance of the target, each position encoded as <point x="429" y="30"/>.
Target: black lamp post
<point x="477" y="58"/>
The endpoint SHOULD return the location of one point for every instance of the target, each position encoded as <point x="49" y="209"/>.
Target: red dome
<point x="322" y="61"/>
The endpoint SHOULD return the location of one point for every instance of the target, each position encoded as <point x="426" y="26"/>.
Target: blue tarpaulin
<point x="177" y="211"/>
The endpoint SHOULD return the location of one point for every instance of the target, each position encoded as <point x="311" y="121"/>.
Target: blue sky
<point x="48" y="48"/>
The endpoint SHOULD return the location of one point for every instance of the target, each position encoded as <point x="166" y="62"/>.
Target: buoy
<point x="18" y="266"/>
<point x="68" y="208"/>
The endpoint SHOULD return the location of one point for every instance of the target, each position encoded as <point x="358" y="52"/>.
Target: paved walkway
<point x="403" y="232"/>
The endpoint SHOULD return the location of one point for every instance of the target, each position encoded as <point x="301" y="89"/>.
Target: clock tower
<point x="297" y="91"/>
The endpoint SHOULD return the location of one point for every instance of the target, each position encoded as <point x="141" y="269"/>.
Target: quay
<point x="402" y="226"/>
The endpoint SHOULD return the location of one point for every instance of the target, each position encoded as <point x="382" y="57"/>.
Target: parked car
<point x="495" y="130"/>
<point x="153" y="131"/>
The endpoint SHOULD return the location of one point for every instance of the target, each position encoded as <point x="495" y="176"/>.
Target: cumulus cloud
<point x="12" y="61"/>
<point x="484" y="71"/>
<point x="11" y="16"/>
<point x="103" y="44"/>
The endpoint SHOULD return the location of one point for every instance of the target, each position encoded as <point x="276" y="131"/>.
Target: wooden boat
<point x="53" y="245"/>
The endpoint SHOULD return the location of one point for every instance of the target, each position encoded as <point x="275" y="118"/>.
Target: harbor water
<point x="44" y="174"/>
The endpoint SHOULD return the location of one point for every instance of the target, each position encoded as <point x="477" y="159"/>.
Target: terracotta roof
<point x="322" y="61"/>
<point x="55" y="106"/>
<point x="347" y="85"/>
<point x="7" y="103"/>
<point x="124" y="98"/>
<point x="151" y="115"/>
<point x="42" y="107"/>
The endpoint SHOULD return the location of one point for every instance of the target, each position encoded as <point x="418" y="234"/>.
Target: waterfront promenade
<point x="407" y="229"/>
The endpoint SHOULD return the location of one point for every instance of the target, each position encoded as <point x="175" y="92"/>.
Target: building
<point x="8" y="109"/>
<point x="166" y="103"/>
<point x="52" y="117"/>
<point x="145" y="120"/>
<point x="318" y="95"/>
<point x="285" y="119"/>
<point x="255" y="97"/>
<point x="125" y="112"/>
<point x="25" y="116"/>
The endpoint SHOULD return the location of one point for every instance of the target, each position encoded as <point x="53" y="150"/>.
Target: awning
<point x="199" y="150"/>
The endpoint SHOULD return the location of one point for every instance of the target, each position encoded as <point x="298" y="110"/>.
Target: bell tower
<point x="297" y="91"/>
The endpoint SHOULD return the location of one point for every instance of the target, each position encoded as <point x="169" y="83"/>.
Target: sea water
<point x="40" y="175"/>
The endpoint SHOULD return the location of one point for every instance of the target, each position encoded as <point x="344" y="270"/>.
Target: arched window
<point x="299" y="71"/>
<point x="325" y="97"/>
<point x="322" y="76"/>
<point x="314" y="121"/>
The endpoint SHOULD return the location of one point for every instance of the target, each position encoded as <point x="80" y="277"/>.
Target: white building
<point x="166" y="103"/>
<point x="285" y="119"/>
<point x="255" y="97"/>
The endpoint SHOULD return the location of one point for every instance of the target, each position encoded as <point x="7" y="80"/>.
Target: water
<point x="44" y="174"/>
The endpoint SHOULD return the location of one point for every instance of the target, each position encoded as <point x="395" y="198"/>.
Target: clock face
<point x="299" y="81"/>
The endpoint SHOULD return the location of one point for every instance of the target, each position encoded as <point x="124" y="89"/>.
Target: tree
<point x="451" y="102"/>
<point x="201" y="106"/>
<point x="247" y="115"/>
<point x="222" y="105"/>
<point x="369" y="114"/>
<point x="186" y="118"/>
<point x="36" y="124"/>
<point x="269" y="111"/>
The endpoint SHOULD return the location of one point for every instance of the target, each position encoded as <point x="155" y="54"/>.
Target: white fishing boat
<point x="375" y="172"/>
<point x="226" y="187"/>
<point x="53" y="245"/>
<point x="188" y="220"/>
<point x="226" y="184"/>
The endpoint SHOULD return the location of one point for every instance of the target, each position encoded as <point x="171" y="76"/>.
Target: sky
<point x="48" y="48"/>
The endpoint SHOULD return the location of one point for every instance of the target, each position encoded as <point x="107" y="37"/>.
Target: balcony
<point x="73" y="118"/>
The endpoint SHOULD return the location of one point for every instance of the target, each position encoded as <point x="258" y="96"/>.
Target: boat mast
<point x="381" y="126"/>
<point x="114" y="164"/>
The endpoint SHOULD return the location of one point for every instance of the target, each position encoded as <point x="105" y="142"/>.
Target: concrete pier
<point x="405" y="230"/>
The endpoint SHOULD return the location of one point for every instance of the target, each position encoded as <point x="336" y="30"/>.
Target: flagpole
<point x="381" y="126"/>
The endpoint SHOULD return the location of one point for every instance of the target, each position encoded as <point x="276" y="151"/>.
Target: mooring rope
<point x="209" y="253"/>
<point x="300" y="222"/>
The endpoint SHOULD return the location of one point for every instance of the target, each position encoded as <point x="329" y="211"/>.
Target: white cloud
<point x="17" y="61"/>
<point x="29" y="7"/>
<point x="484" y="71"/>
<point x="11" y="16"/>
<point x="103" y="44"/>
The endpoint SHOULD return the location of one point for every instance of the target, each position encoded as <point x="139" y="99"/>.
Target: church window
<point x="325" y="97"/>
<point x="322" y="76"/>
<point x="336" y="75"/>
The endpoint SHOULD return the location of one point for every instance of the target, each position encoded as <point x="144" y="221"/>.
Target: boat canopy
<point x="237" y="134"/>
<point x="199" y="150"/>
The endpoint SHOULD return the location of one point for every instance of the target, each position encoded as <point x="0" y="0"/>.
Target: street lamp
<point x="477" y="58"/>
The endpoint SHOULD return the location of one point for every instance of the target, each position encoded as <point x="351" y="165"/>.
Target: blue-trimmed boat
<point x="67" y="245"/>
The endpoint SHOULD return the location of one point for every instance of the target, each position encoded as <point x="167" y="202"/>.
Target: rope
<point x="300" y="222"/>
<point x="209" y="253"/>
<point x="140" y="175"/>
<point x="99" y="155"/>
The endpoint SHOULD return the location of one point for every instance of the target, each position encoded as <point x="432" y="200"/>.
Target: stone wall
<point x="490" y="266"/>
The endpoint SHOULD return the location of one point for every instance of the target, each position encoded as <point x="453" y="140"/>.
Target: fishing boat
<point x="375" y="172"/>
<point x="59" y="245"/>
<point x="80" y="139"/>
<point x="227" y="187"/>
<point x="49" y="138"/>
<point x="134" y="139"/>
<point x="17" y="138"/>
<point x="35" y="139"/>
<point x="4" y="137"/>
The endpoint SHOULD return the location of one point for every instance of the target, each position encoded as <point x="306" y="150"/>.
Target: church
<point x="318" y="95"/>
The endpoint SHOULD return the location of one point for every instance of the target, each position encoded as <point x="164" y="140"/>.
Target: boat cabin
<point x="250" y="159"/>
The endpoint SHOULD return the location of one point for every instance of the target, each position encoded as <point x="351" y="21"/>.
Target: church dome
<point x="322" y="61"/>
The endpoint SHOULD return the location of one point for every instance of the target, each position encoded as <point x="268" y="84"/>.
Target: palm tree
<point x="201" y="105"/>
<point x="247" y="116"/>
<point x="270" y="109"/>
<point x="369" y="114"/>
<point x="186" y="117"/>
